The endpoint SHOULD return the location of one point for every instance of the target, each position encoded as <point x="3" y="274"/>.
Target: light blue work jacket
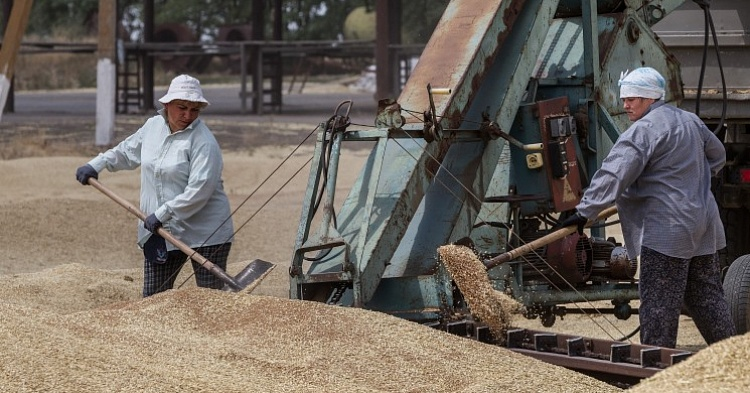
<point x="180" y="180"/>
<point x="659" y="175"/>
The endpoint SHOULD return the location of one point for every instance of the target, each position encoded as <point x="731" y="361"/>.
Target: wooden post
<point x="388" y="32"/>
<point x="10" y="101"/>
<point x="106" y="73"/>
<point x="256" y="53"/>
<point x="147" y="105"/>
<point x="19" y="18"/>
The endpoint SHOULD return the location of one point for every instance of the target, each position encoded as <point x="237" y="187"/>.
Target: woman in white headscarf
<point x="181" y="187"/>
<point x="658" y="173"/>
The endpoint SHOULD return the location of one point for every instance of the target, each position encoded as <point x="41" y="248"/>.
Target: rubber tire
<point x="737" y="292"/>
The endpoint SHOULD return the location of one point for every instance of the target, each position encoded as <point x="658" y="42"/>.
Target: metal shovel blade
<point x="253" y="274"/>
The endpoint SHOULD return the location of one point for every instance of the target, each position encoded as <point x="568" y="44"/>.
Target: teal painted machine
<point x="516" y="105"/>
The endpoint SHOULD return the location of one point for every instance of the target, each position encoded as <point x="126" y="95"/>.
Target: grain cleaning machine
<point x="509" y="112"/>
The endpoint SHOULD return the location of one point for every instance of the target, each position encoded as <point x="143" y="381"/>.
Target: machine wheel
<point x="622" y="310"/>
<point x="547" y="317"/>
<point x="737" y="292"/>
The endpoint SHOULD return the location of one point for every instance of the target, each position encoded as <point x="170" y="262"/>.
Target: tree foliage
<point x="61" y="17"/>
<point x="419" y="18"/>
<point x="317" y="20"/>
<point x="301" y="19"/>
<point x="204" y="17"/>
<point x="324" y="20"/>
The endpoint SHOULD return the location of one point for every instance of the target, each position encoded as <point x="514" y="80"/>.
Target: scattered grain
<point x="494" y="308"/>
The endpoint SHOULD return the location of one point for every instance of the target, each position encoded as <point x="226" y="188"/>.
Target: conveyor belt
<point x="618" y="363"/>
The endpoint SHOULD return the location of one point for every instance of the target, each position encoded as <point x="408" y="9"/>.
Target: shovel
<point x="543" y="241"/>
<point x="252" y="274"/>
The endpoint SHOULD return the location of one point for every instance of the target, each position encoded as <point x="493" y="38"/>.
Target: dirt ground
<point x="50" y="220"/>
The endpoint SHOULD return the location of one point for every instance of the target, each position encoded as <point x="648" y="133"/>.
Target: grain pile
<point x="721" y="367"/>
<point x="491" y="307"/>
<point x="73" y="328"/>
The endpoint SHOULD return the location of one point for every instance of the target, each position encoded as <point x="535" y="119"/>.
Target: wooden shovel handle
<point x="161" y="231"/>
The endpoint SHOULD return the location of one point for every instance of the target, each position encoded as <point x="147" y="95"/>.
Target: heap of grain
<point x="721" y="367"/>
<point x="489" y="306"/>
<point x="74" y="328"/>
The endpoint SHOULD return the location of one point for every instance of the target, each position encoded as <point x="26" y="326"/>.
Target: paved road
<point x="64" y="122"/>
<point x="308" y="107"/>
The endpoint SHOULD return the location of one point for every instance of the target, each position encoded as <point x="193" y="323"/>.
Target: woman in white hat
<point x="181" y="187"/>
<point x="659" y="175"/>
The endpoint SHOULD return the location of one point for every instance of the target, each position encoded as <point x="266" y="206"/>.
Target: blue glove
<point x="576" y="219"/>
<point x="152" y="223"/>
<point x="84" y="173"/>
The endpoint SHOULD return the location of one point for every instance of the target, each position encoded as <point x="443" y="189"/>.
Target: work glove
<point x="84" y="173"/>
<point x="152" y="223"/>
<point x="155" y="249"/>
<point x="576" y="219"/>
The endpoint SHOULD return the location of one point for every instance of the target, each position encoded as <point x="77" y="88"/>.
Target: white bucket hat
<point x="643" y="82"/>
<point x="184" y="87"/>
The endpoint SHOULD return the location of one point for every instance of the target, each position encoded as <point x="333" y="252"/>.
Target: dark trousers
<point x="667" y="283"/>
<point x="159" y="277"/>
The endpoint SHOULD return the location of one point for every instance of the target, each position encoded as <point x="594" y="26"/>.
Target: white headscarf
<point x="643" y="82"/>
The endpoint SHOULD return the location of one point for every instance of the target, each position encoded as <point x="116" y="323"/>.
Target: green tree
<point x="204" y="17"/>
<point x="324" y="20"/>
<point x="61" y="17"/>
<point x="316" y="19"/>
<point x="301" y="19"/>
<point x="419" y="19"/>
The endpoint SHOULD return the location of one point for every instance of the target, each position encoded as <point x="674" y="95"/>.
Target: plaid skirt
<point x="159" y="277"/>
